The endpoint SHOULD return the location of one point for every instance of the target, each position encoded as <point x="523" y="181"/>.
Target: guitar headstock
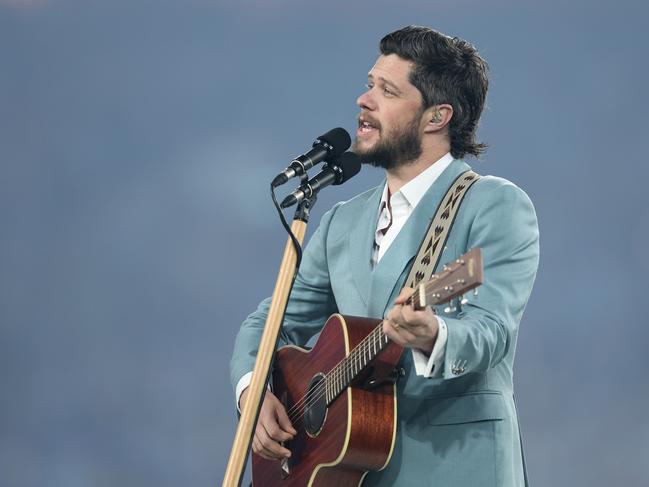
<point x="455" y="279"/>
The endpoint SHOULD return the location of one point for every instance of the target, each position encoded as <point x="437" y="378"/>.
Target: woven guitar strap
<point x="433" y="243"/>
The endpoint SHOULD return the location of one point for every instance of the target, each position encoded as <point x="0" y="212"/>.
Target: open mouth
<point x="365" y="127"/>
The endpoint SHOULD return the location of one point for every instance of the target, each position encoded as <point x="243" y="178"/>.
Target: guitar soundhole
<point x="315" y="410"/>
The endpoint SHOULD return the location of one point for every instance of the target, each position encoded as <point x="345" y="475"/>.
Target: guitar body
<point x="338" y="444"/>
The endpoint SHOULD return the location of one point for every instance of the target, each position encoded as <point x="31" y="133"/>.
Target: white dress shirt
<point x="392" y="216"/>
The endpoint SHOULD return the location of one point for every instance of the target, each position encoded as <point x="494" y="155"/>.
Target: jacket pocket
<point x="466" y="408"/>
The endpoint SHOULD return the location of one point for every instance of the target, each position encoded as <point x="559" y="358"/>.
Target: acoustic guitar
<point x="341" y="395"/>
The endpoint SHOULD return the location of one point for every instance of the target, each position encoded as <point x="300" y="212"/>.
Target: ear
<point x="437" y="117"/>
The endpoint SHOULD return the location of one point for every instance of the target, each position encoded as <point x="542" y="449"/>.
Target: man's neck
<point x="404" y="173"/>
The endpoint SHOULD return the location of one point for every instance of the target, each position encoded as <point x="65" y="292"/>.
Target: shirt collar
<point x="413" y="191"/>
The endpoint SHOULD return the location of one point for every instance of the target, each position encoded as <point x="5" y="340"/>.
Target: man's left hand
<point x="410" y="328"/>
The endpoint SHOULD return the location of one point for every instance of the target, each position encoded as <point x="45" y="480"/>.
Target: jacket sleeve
<point x="486" y="328"/>
<point x="310" y="304"/>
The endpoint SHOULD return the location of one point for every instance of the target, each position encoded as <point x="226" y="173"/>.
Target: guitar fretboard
<point x="348" y="369"/>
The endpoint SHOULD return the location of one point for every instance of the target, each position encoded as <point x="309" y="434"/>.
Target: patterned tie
<point x="383" y="225"/>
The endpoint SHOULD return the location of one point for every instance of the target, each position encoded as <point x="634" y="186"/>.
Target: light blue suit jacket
<point x="459" y="430"/>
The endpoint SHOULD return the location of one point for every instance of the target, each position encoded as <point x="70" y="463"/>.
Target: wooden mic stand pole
<point x="256" y="391"/>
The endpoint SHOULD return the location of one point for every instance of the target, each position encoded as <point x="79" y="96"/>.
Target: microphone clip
<point x="303" y="210"/>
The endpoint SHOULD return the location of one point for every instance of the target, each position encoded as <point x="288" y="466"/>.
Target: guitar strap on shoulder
<point x="433" y="243"/>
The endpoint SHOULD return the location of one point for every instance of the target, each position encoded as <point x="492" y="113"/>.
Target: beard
<point x="397" y="149"/>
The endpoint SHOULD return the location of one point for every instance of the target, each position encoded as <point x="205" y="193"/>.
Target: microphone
<point x="336" y="172"/>
<point x="329" y="145"/>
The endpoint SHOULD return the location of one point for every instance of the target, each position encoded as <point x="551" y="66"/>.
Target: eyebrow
<point x="385" y="81"/>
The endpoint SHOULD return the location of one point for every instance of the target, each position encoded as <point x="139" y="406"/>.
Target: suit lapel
<point x="361" y="241"/>
<point x="385" y="276"/>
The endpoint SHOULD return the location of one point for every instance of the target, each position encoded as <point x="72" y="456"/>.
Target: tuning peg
<point x="450" y="308"/>
<point x="463" y="301"/>
<point x="475" y="291"/>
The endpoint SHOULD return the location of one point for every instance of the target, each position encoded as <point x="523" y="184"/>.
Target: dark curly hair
<point x="446" y="70"/>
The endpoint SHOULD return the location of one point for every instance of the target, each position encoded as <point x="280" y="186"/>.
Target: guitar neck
<point x="348" y="369"/>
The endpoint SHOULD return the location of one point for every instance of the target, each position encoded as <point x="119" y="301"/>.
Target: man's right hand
<point x="273" y="427"/>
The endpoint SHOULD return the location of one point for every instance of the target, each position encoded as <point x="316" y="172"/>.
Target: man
<point x="457" y="421"/>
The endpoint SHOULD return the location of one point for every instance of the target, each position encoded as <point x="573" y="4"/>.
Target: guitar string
<point x="344" y="373"/>
<point x="347" y="364"/>
<point x="337" y="375"/>
<point x="340" y="370"/>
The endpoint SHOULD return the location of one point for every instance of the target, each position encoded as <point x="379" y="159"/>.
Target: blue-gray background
<point x="137" y="140"/>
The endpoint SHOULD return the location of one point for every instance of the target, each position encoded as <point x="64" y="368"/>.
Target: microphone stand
<point x="261" y="373"/>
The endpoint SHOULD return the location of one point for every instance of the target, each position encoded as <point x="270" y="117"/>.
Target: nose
<point x="366" y="101"/>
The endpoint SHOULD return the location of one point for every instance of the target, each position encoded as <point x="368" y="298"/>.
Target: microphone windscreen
<point x="337" y="138"/>
<point x="350" y="164"/>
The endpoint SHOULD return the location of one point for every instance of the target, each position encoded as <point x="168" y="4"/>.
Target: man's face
<point x="390" y="123"/>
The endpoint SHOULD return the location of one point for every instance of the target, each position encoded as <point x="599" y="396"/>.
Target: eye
<point x="388" y="91"/>
<point x="369" y="86"/>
